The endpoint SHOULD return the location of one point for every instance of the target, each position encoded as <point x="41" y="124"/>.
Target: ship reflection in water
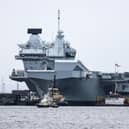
<point x="23" y="117"/>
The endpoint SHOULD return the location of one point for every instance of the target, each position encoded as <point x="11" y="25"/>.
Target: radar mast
<point x="58" y="20"/>
<point x="60" y="33"/>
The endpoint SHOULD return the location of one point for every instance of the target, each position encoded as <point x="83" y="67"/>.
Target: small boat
<point x="115" y="100"/>
<point x="52" y="99"/>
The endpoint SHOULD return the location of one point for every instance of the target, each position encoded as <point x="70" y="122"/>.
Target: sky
<point x="97" y="29"/>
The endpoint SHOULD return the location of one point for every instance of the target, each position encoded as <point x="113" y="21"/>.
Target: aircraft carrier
<point x="80" y="86"/>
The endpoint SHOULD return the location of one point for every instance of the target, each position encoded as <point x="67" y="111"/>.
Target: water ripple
<point x="16" y="117"/>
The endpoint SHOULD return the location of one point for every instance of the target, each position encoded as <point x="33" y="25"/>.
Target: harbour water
<point x="31" y="117"/>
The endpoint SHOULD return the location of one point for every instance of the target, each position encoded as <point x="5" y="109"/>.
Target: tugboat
<point x="53" y="98"/>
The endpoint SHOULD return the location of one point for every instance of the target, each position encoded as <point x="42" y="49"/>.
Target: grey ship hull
<point x="75" y="91"/>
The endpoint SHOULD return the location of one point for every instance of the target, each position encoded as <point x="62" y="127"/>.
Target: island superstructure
<point x="42" y="61"/>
